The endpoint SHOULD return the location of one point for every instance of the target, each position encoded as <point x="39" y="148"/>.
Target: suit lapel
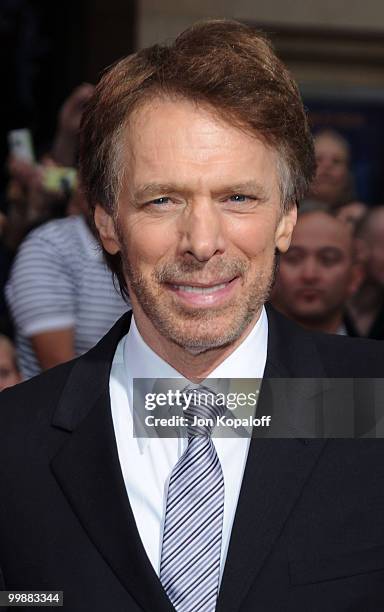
<point x="88" y="471"/>
<point x="275" y="473"/>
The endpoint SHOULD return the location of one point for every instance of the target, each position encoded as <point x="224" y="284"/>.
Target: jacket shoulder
<point x="33" y="400"/>
<point x="308" y="353"/>
<point x="351" y="357"/>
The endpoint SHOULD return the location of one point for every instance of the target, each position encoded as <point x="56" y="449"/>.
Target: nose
<point x="202" y="230"/>
<point x="323" y="164"/>
<point x="309" y="270"/>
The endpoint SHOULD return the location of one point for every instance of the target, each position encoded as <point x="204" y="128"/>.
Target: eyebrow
<point x="151" y="190"/>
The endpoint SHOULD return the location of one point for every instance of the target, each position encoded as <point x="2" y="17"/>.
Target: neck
<point x="330" y="324"/>
<point x="369" y="298"/>
<point x="193" y="366"/>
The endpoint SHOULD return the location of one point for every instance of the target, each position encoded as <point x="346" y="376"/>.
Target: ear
<point x="285" y="228"/>
<point x="356" y="279"/>
<point x="106" y="229"/>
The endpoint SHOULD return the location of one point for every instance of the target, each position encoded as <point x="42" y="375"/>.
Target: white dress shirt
<point x="146" y="463"/>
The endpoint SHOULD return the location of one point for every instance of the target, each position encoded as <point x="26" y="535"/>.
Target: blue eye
<point x="162" y="200"/>
<point x="238" y="197"/>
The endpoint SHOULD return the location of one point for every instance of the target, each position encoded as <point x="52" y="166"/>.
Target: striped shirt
<point x="59" y="280"/>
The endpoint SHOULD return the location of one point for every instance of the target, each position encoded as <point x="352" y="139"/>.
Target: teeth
<point x="200" y="289"/>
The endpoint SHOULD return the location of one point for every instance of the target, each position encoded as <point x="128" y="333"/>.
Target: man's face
<point x="199" y="219"/>
<point x="375" y="244"/>
<point x="317" y="274"/>
<point x="332" y="172"/>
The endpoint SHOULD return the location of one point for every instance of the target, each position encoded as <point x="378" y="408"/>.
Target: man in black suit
<point x="193" y="157"/>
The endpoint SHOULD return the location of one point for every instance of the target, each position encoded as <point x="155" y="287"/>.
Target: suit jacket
<point x="308" y="533"/>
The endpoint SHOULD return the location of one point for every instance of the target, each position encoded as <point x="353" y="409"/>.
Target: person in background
<point x="333" y="182"/>
<point x="33" y="198"/>
<point x="60" y="293"/>
<point x="9" y="372"/>
<point x="65" y="145"/>
<point x="5" y="262"/>
<point x="319" y="273"/>
<point x="366" y="308"/>
<point x="30" y="202"/>
<point x="353" y="212"/>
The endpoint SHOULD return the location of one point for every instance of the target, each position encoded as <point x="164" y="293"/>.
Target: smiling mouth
<point x="201" y="288"/>
<point x="205" y="295"/>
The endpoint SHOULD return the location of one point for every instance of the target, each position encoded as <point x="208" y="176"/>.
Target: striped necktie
<point x="190" y="556"/>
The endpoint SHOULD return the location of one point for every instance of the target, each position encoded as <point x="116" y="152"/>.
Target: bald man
<point x="319" y="273"/>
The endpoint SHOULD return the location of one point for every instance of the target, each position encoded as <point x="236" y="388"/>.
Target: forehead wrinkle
<point x="217" y="174"/>
<point x="160" y="159"/>
<point x="204" y="122"/>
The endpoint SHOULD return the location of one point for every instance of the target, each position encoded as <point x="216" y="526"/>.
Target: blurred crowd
<point x="332" y="277"/>
<point x="57" y="297"/>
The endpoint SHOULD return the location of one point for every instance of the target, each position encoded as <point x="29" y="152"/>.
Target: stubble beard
<point x="198" y="330"/>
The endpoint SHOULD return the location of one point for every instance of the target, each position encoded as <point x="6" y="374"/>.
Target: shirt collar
<point x="140" y="361"/>
<point x="246" y="361"/>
